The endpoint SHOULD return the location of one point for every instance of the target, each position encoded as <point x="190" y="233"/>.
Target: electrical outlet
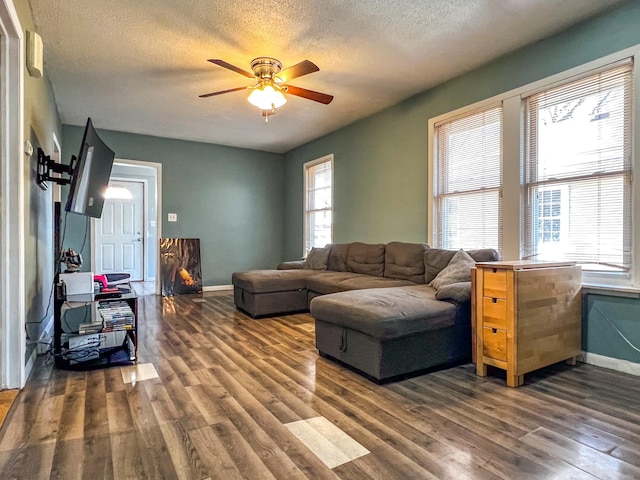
<point x="172" y="217"/>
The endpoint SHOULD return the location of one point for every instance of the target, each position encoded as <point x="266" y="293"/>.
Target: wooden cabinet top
<point x="523" y="264"/>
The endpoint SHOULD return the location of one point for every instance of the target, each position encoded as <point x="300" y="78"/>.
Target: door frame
<point x="158" y="169"/>
<point x="145" y="218"/>
<point x="12" y="187"/>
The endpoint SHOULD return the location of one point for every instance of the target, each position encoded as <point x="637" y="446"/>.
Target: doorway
<point x="125" y="239"/>
<point x="119" y="246"/>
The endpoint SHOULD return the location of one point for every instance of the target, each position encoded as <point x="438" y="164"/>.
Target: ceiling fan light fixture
<point x="267" y="98"/>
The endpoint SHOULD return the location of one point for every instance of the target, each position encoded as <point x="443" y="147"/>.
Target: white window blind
<point x="468" y="181"/>
<point x="318" y="204"/>
<point x="577" y="172"/>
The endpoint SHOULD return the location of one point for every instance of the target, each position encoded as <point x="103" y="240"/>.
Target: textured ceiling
<point x="139" y="65"/>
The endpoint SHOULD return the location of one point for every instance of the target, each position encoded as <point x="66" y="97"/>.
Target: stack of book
<point x="116" y="315"/>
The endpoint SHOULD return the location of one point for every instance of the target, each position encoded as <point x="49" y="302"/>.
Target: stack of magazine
<point x="116" y="315"/>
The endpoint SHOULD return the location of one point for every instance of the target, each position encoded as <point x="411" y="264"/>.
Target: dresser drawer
<point x="494" y="343"/>
<point x="495" y="283"/>
<point x="494" y="313"/>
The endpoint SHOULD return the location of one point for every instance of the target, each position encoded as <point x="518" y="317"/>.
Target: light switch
<point x="172" y="217"/>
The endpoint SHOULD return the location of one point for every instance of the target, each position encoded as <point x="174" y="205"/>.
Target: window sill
<point x="610" y="290"/>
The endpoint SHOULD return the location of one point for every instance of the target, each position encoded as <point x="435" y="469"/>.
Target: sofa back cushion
<point x="436" y="259"/>
<point x="337" y="260"/>
<point x="405" y="261"/>
<point x="317" y="258"/>
<point x="366" y="258"/>
<point x="458" y="270"/>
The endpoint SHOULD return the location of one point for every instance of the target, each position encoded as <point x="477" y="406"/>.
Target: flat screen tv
<point x="90" y="175"/>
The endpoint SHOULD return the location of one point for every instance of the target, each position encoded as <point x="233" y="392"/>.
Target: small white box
<point x="78" y="283"/>
<point x="35" y="56"/>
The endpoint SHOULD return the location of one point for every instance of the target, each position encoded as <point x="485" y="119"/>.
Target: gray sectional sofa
<point x="385" y="310"/>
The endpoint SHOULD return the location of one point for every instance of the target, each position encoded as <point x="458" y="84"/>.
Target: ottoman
<point x="389" y="332"/>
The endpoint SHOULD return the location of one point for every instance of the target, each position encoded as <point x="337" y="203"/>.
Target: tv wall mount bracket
<point x="48" y="167"/>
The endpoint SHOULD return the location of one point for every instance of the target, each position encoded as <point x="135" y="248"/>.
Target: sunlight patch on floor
<point x="330" y="444"/>
<point x="139" y="372"/>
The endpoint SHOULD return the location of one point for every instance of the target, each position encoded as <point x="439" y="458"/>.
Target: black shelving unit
<point x="96" y="349"/>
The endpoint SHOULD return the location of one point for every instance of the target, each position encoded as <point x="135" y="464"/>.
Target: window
<point x="550" y="225"/>
<point x="318" y="204"/>
<point x="467" y="181"/>
<point x="548" y="209"/>
<point x="546" y="171"/>
<point x="578" y="146"/>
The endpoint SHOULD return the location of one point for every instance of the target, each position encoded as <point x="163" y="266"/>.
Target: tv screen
<point x="90" y="176"/>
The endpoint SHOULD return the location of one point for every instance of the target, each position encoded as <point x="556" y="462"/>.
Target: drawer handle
<point x="494" y="300"/>
<point x="494" y="270"/>
<point x="494" y="330"/>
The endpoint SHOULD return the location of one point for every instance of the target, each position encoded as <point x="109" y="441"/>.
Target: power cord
<point x="86" y="233"/>
<point x="53" y="283"/>
<point x="616" y="329"/>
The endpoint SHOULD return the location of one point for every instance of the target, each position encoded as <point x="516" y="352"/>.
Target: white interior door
<point x="119" y="245"/>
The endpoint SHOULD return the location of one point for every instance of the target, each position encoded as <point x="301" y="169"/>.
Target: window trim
<point x="511" y="145"/>
<point x="305" y="170"/>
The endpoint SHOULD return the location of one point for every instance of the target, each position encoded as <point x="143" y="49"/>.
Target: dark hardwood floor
<point x="228" y="384"/>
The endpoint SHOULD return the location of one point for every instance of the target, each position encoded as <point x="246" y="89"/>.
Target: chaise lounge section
<point x="263" y="293"/>
<point x="384" y="310"/>
<point x="389" y="332"/>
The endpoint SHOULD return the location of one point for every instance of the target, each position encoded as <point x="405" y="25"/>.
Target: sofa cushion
<point x="367" y="259"/>
<point x="405" y="261"/>
<point x="386" y="313"/>
<point x="327" y="281"/>
<point x="367" y="281"/>
<point x="458" y="270"/>
<point x="459" y="292"/>
<point x="266" y="281"/>
<point x="436" y="259"/>
<point x="337" y="260"/>
<point x="290" y="265"/>
<point x="484" y="254"/>
<point x="317" y="258"/>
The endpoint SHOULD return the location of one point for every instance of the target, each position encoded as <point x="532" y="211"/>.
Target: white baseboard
<point x="217" y="288"/>
<point x="45" y="336"/>
<point x="41" y="347"/>
<point x="31" y="361"/>
<point x="617" y="364"/>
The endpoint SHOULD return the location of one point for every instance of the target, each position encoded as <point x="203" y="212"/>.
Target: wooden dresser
<point x="527" y="315"/>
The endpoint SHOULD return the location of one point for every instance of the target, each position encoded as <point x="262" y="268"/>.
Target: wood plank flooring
<point x="227" y="386"/>
<point x="7" y="397"/>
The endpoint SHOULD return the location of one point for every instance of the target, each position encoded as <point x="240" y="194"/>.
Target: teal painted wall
<point x="230" y="198"/>
<point x="41" y="122"/>
<point x="380" y="163"/>
<point x="598" y="334"/>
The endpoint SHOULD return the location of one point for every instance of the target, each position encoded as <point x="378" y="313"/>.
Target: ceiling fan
<point x="272" y="82"/>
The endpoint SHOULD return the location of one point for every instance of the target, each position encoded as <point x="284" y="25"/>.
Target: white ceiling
<point x="139" y="65"/>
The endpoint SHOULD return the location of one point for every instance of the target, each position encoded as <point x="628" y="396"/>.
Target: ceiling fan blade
<point x="224" y="64"/>
<point x="303" y="68"/>
<point x="310" y="94"/>
<point x="222" y="91"/>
